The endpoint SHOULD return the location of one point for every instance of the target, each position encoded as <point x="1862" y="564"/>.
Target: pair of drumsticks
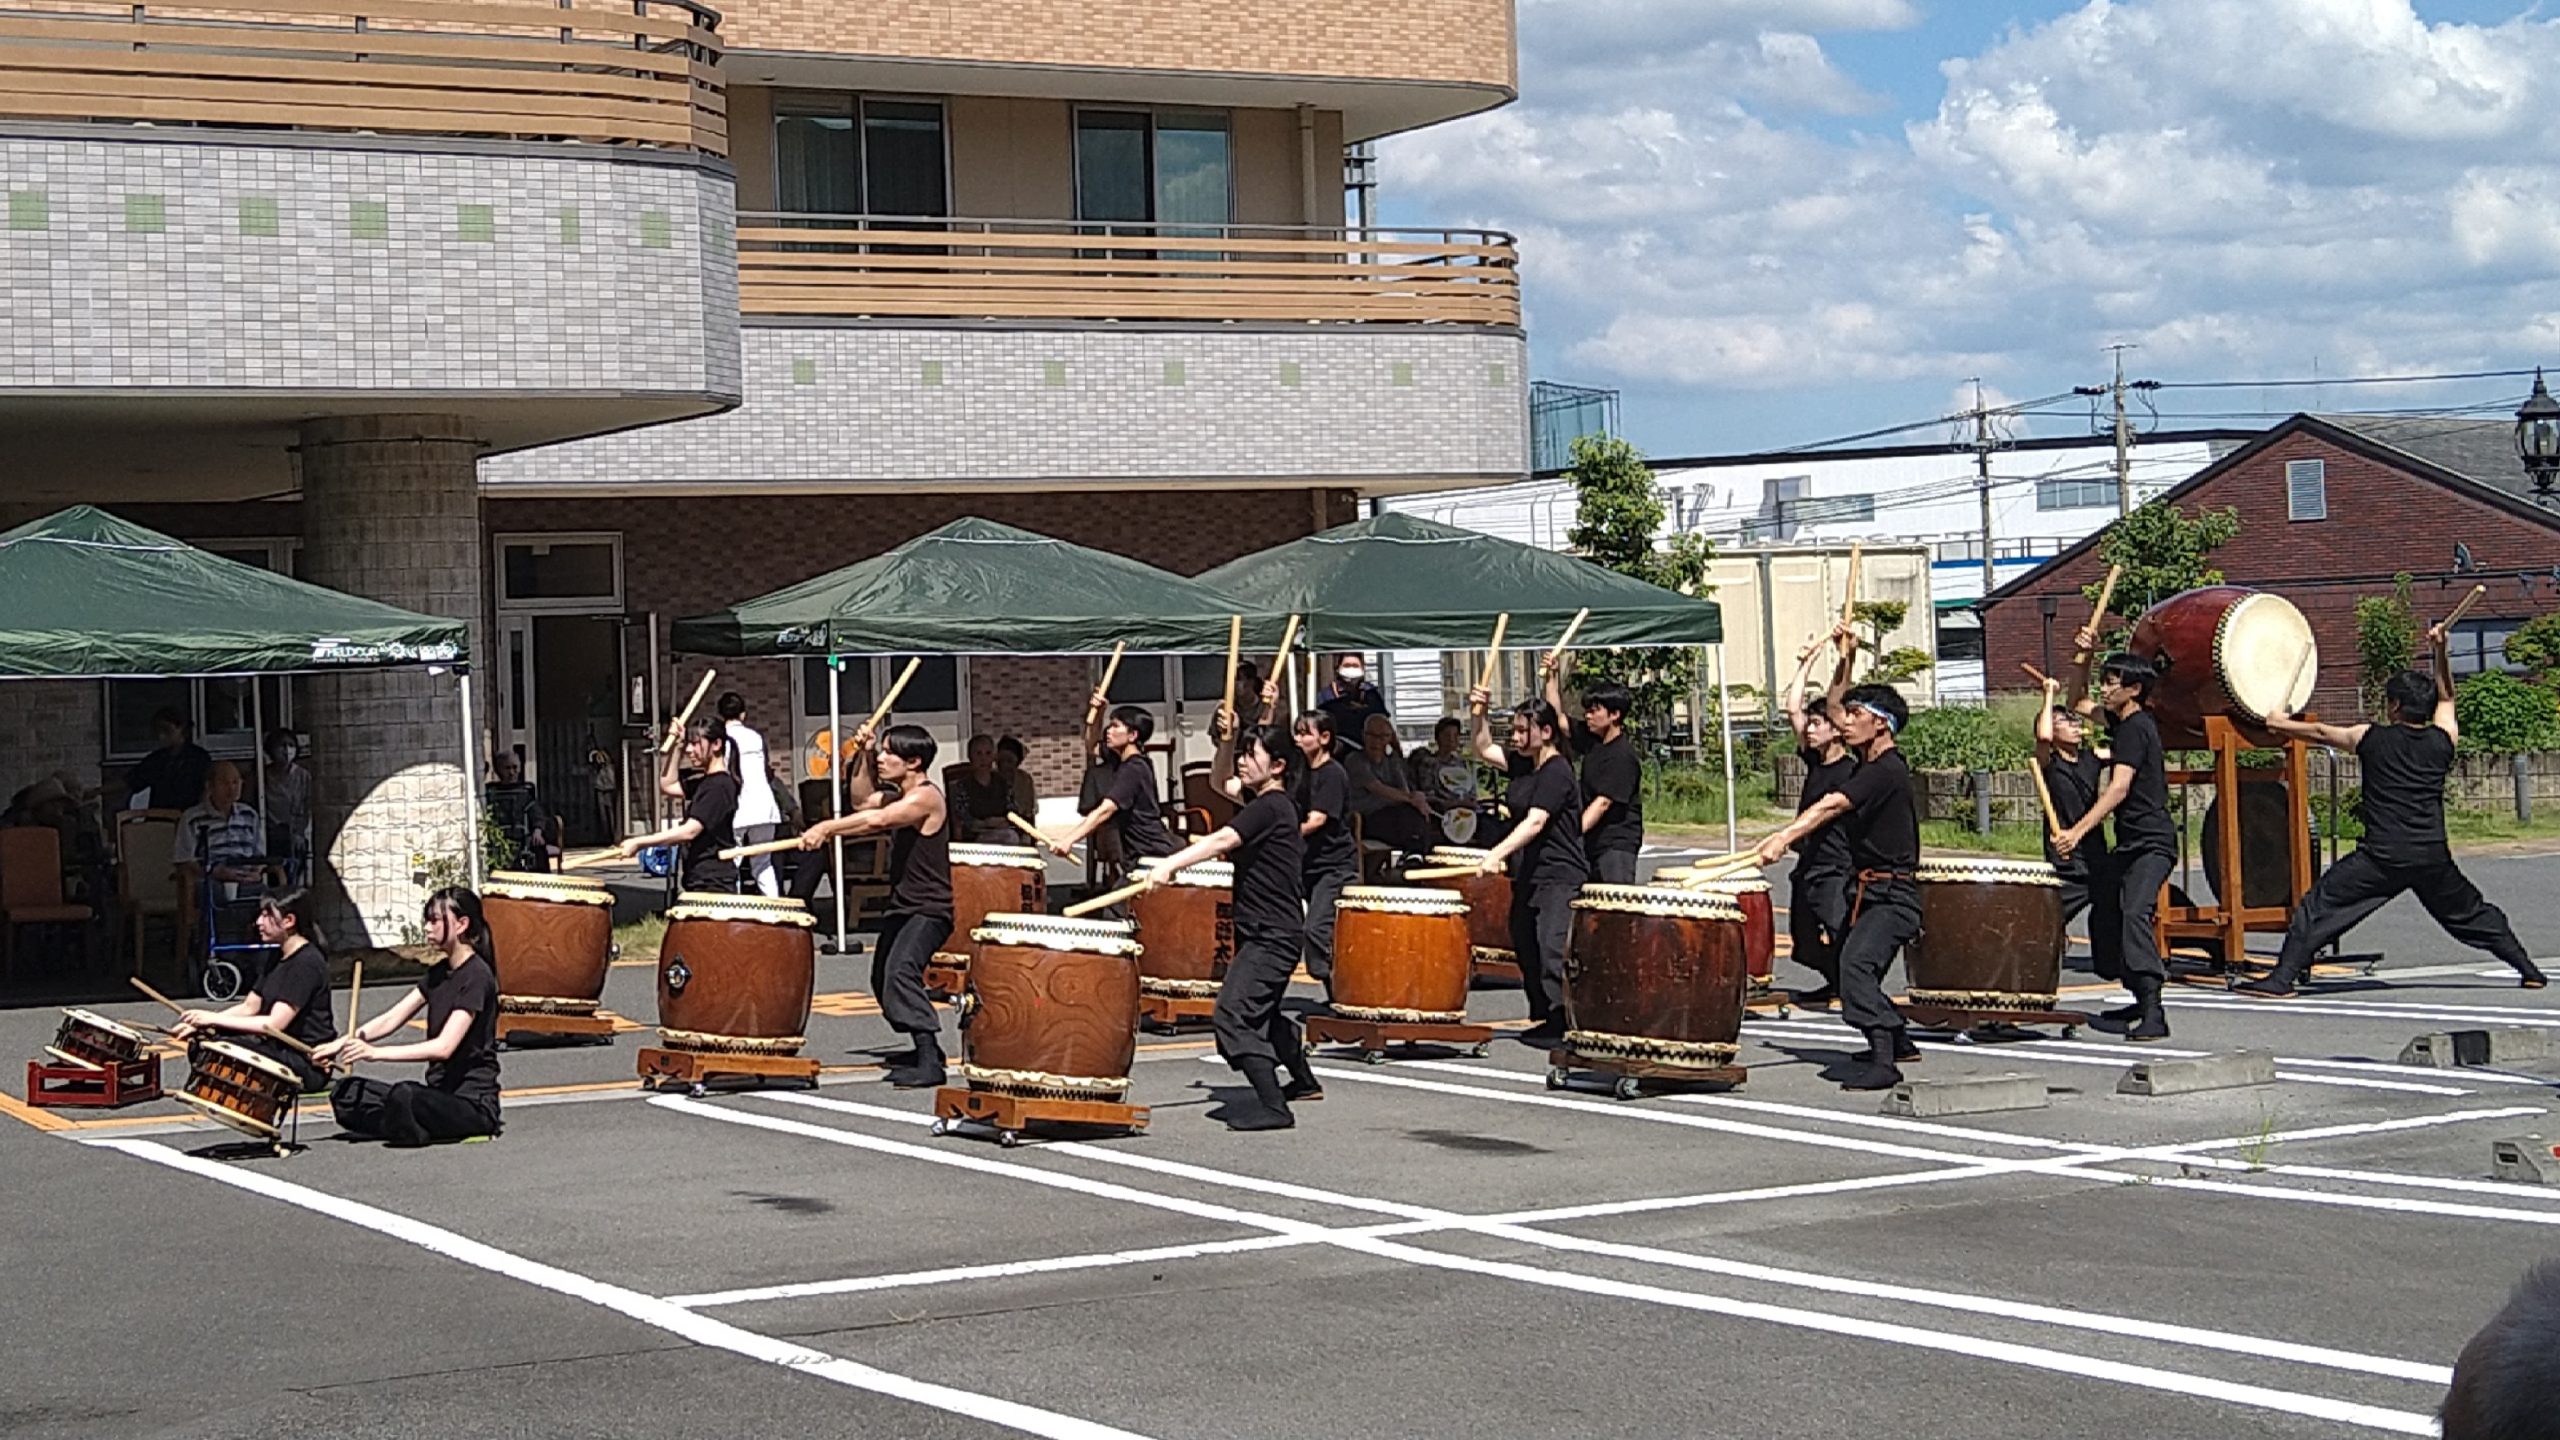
<point x="355" y="1002"/>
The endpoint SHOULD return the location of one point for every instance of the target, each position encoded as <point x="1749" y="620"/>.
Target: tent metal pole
<point x="258" y="750"/>
<point x="835" y="782"/>
<point x="1724" y="722"/>
<point x="470" y="782"/>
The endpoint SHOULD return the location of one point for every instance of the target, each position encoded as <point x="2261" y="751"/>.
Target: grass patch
<point x="1692" y="797"/>
<point x="639" y="938"/>
<point x="2482" y="827"/>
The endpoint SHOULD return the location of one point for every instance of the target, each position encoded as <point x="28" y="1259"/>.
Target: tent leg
<point x="1724" y="722"/>
<point x="835" y="782"/>
<point x="470" y="783"/>
<point x="258" y="740"/>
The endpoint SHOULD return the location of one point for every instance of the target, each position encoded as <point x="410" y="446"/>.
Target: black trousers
<point x="906" y="945"/>
<point x="808" y="870"/>
<point x="311" y="1076"/>
<point x="1817" y="917"/>
<point x="1541" y="927"/>
<point x="1323" y="888"/>
<point x="2124" y="899"/>
<point x="1884" y="917"/>
<point x="1248" y="1020"/>
<point x="2358" y="885"/>
<point x="406" y="1112"/>
<point x="1614" y="867"/>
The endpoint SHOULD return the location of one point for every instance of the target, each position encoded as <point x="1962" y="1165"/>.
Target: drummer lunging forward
<point x="1254" y="1035"/>
<point x="2405" y="764"/>
<point x="1549" y="865"/>
<point x="291" y="999"/>
<point x="459" y="1099"/>
<point x="1873" y="805"/>
<point x="1818" y="886"/>
<point x="2124" y="897"/>
<point x="897" y="798"/>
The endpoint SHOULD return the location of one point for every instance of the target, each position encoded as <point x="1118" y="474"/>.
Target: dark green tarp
<point x="975" y="587"/>
<point x="1398" y="581"/>
<point x="84" y="594"/>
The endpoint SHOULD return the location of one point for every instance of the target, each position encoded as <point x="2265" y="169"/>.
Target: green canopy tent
<point x="86" y="595"/>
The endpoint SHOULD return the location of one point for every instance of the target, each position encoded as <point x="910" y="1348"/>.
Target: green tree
<point x="2163" y="551"/>
<point x="2502" y="715"/>
<point x="2386" y="641"/>
<point x="1879" y="618"/>
<point x="2535" y="648"/>
<point x="1618" y="523"/>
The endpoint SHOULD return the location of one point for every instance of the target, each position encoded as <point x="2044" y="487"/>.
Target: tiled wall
<point x="187" y="260"/>
<point x="834" y="404"/>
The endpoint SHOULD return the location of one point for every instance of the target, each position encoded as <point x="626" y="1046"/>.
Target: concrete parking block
<point x="2226" y="1071"/>
<point x="1969" y="1095"/>
<point x="2528" y="1159"/>
<point x="2502" y="1045"/>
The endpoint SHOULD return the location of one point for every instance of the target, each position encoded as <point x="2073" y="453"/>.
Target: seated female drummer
<point x="458" y="1100"/>
<point x="290" y="1000"/>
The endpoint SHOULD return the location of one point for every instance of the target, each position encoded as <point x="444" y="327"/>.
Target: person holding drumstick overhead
<point x="1612" y="818"/>
<point x="2124" y="896"/>
<point x="2074" y="772"/>
<point x="1128" y="804"/>
<point x="710" y="808"/>
<point x="1818" y="886"/>
<point x="291" y="999"/>
<point x="1321" y="789"/>
<point x="904" y="802"/>
<point x="1549" y="865"/>
<point x="458" y="1100"/>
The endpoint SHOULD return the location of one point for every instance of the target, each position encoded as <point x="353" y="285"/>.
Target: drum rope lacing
<point x="1400" y="900"/>
<point x="1040" y="1084"/>
<point x="731" y="1044"/>
<point x="1018" y="857"/>
<point x="1392" y="1014"/>
<point x="545" y="1005"/>
<point x="1985" y="999"/>
<point x="1600" y="1044"/>
<point x="1058" y="932"/>
<point x="1664" y="901"/>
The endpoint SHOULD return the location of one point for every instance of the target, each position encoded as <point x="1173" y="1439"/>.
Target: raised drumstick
<point x="355" y="1002"/>
<point x="2098" y="612"/>
<point x="1280" y="662"/>
<point x="897" y="687"/>
<point x="1235" y="647"/>
<point x="1493" y="653"/>
<point x="1849" y="592"/>
<point x="1103" y="901"/>
<point x="1112" y="668"/>
<point x="2477" y="591"/>
<point x="1443" y="872"/>
<point x="675" y="732"/>
<point x="1570" y="631"/>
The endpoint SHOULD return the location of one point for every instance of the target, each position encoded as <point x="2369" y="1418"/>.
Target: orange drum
<point x="1655" y="976"/>
<point x="241" y="1088"/>
<point x="1990" y="935"/>
<point x="2224" y="650"/>
<point x="735" y="974"/>
<point x="988" y="880"/>
<point x="554" y="937"/>
<point x="1052" y="1010"/>
<point x="1188" y="924"/>
<point x="1400" y="954"/>
<point x="1488" y="900"/>
<point x="1759" y="925"/>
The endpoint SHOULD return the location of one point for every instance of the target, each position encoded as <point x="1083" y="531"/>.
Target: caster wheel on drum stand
<point x="1557" y="1075"/>
<point x="1008" y="1138"/>
<point x="2070" y="1030"/>
<point x="939" y="1126"/>
<point x="698" y="1090"/>
<point x="1479" y="1051"/>
<point x="1373" y="1057"/>
<point x="1627" y="1088"/>
<point x="1786" y="1012"/>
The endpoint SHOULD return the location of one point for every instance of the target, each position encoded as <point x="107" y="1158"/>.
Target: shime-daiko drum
<point x="241" y="1088"/>
<point x="1187" y="925"/>
<point x="1990" y="944"/>
<point x="2224" y="650"/>
<point x="90" y="1039"/>
<point x="1653" y="985"/>
<point x="986" y="880"/>
<point x="554" y="938"/>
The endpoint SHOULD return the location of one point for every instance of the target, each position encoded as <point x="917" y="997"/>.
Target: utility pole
<point x="2123" y="427"/>
<point x="1982" y="446"/>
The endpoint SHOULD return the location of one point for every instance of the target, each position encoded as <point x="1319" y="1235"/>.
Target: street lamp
<point x="2538" y="438"/>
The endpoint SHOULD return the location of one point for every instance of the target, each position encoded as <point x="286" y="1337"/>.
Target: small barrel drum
<point x="1990" y="935"/>
<point x="1401" y="954"/>
<point x="1655" y="976"/>
<point x="735" y="974"/>
<point x="1052" y="1011"/>
<point x="2224" y="650"/>
<point x="1759" y="924"/>
<point x="554" y="937"/>
<point x="1488" y="900"/>
<point x="88" y="1038"/>
<point x="991" y="880"/>
<point x="1188" y="926"/>
<point x="241" y="1088"/>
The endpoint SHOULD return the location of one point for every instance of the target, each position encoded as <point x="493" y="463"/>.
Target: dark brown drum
<point x="990" y="880"/>
<point x="1990" y="935"/>
<point x="1400" y="954"/>
<point x="1188" y="927"/>
<point x="1655" y="975"/>
<point x="1488" y="900"/>
<point x="88" y="1038"/>
<point x="1052" y="1011"/>
<point x="554" y="936"/>
<point x="2224" y="650"/>
<point x="735" y="974"/>
<point x="1759" y="924"/>
<point x="241" y="1088"/>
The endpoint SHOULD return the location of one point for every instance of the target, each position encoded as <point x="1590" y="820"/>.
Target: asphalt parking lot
<point x="1443" y="1246"/>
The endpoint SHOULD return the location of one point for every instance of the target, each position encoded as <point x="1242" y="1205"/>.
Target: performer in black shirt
<point x="1818" y="885"/>
<point x="2405" y="764"/>
<point x="1549" y="865"/>
<point x="1254" y="1034"/>
<point x="291" y="999"/>
<point x="2125" y="896"/>
<point x="1127" y="802"/>
<point x="1875" y="806"/>
<point x="710" y="807"/>
<point x="1612" y="818"/>
<point x="2074" y="772"/>
<point x="898" y="798"/>
<point x="1322" y="792"/>
<point x="459" y="1098"/>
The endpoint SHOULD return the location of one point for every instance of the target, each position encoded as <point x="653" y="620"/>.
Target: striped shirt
<point x="210" y="839"/>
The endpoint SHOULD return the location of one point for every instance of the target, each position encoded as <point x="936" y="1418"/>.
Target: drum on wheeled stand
<point x="1989" y="952"/>
<point x="1653" y="987"/>
<point x="1048" y="1028"/>
<point x="554" y="938"/>
<point x="1187" y="925"/>
<point x="985" y="880"/>
<point x="735" y="979"/>
<point x="1488" y="898"/>
<point x="1401" y="968"/>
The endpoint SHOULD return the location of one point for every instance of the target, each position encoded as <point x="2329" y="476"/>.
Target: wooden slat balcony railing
<point x="895" y="267"/>
<point x="639" y="72"/>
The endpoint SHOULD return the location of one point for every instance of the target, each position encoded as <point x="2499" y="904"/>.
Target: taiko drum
<point x="88" y="1038"/>
<point x="1759" y="924"/>
<point x="1187" y="925"/>
<point x="2224" y="650"/>
<point x="1488" y="900"/>
<point x="241" y="1088"/>
<point x="1052" y="1009"/>
<point x="1656" y="975"/>
<point x="1990" y="935"/>
<point x="989" y="880"/>
<point x="1400" y="954"/>
<point x="554" y="938"/>
<point x="735" y="974"/>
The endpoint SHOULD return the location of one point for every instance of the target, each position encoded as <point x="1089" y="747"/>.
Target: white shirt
<point x="755" y="786"/>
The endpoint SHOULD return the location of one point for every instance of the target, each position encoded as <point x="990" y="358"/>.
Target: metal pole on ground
<point x="835" y="782"/>
<point x="2518" y="766"/>
<point x="470" y="780"/>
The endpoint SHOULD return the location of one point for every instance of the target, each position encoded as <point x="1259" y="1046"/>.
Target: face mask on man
<point x="1350" y="674"/>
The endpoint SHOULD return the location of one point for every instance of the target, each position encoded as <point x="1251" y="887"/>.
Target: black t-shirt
<point x="920" y="868"/>
<point x="1556" y="856"/>
<point x="471" y="1072"/>
<point x="301" y="980"/>
<point x="1828" y="847"/>
<point x="2404" y="770"/>
<point x="2142" y="821"/>
<point x="1140" y="818"/>
<point x="1327" y="788"/>
<point x="1883" y="821"/>
<point x="1612" y="769"/>
<point x="711" y="798"/>
<point x="175" y="778"/>
<point x="2075" y="784"/>
<point x="1267" y="899"/>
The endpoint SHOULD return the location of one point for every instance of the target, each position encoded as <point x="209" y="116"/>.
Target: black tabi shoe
<point x="1868" y="1075"/>
<point x="1270" y="1110"/>
<point x="2268" y="988"/>
<point x="2152" y="1023"/>
<point x="1260" y="1117"/>
<point x="1297" y="1090"/>
<point x="1543" y="1034"/>
<point x="2529" y="976"/>
<point x="1820" y="997"/>
<point x="925" y="1071"/>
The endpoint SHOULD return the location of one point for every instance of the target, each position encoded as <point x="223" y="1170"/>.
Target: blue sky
<point x="1769" y="222"/>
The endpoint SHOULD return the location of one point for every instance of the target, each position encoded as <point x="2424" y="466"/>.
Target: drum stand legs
<point x="1166" y="1014"/>
<point x="660" y="1069"/>
<point x="104" y="1087"/>
<point x="1494" y="967"/>
<point x="1010" y="1115"/>
<point x="1372" y="1037"/>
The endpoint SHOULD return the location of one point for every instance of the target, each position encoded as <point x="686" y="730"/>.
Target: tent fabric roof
<point x="85" y="595"/>
<point x="1399" y="581"/>
<point x="976" y="587"/>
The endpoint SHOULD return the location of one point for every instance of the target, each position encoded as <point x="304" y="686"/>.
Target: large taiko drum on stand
<point x="554" y="937"/>
<point x="2224" y="650"/>
<point x="1655" y="977"/>
<point x="1488" y="900"/>
<point x="241" y="1088"/>
<point x="735" y="974"/>
<point x="1052" y="1012"/>
<point x="1188" y="927"/>
<point x="1759" y="924"/>
<point x="990" y="880"/>
<point x="1401" y="954"/>
<point x="1990" y="936"/>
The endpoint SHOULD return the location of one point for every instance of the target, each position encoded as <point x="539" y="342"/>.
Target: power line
<point x="2345" y="380"/>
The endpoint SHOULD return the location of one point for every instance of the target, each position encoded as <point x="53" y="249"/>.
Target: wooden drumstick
<point x="145" y="987"/>
<point x="1105" y="900"/>
<point x="2044" y="792"/>
<point x="592" y="857"/>
<point x="1235" y="648"/>
<point x="1557" y="654"/>
<point x="1034" y="831"/>
<point x="1102" y="692"/>
<point x="896" y="688"/>
<point x="2477" y="591"/>
<point x="355" y="1004"/>
<point x="1727" y="868"/>
<point x="1493" y="653"/>
<point x="2098" y="612"/>
<point x="2037" y="675"/>
<point x="1280" y="662"/>
<point x="768" y="847"/>
<point x="2310" y="648"/>
<point x="1443" y="872"/>
<point x="1849" y="593"/>
<point x="675" y="732"/>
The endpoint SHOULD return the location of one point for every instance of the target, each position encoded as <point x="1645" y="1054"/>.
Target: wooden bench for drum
<point x="243" y="1089"/>
<point x="735" y="976"/>
<point x="97" y="1063"/>
<point x="1188" y="928"/>
<point x="554" y="937"/>
<point x="1990" y="946"/>
<point x="1401" y="967"/>
<point x="985" y="880"/>
<point x="1048" y="1029"/>
<point x="1653" y="988"/>
<point x="1488" y="900"/>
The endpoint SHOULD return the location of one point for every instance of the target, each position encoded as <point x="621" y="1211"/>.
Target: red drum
<point x="735" y="974"/>
<point x="90" y="1039"/>
<point x="1052" y="1011"/>
<point x="1759" y="924"/>
<point x="1655" y="976"/>
<point x="988" y="880"/>
<point x="1488" y="900"/>
<point x="554" y="937"/>
<point x="1400" y="954"/>
<point x="2224" y="650"/>
<point x="1990" y="935"/>
<point x="241" y="1088"/>
<point x="1188" y="924"/>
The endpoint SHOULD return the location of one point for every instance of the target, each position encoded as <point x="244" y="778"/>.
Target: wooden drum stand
<point x="2228" y="918"/>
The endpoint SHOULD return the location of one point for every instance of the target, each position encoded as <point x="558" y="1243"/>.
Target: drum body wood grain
<point x="735" y="974"/>
<point x="1187" y="925"/>
<point x="2223" y="650"/>
<point x="1656" y="975"/>
<point x="1401" y="954"/>
<point x="1488" y="900"/>
<point x="1053" y="1007"/>
<point x="554" y="937"/>
<point x="989" y="880"/>
<point x="1990" y="935"/>
<point x="241" y="1088"/>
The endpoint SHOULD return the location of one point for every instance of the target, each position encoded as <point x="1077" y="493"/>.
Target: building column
<point x="390" y="511"/>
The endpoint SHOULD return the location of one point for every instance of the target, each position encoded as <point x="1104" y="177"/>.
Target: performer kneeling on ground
<point x="2404" y="848"/>
<point x="1818" y="886"/>
<point x="1551" y="865"/>
<point x="1874" y="805"/>
<point x="292" y="998"/>
<point x="1254" y="1034"/>
<point x="1612" y="818"/>
<point x="2125" y="895"/>
<point x="918" y="916"/>
<point x="459" y="1099"/>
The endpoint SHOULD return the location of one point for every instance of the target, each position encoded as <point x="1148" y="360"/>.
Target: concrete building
<point x="572" y="327"/>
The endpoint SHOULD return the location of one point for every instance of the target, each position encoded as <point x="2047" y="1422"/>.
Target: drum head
<point x="2266" y="878"/>
<point x="251" y="1059"/>
<point x="2266" y="655"/>
<point x="1458" y="826"/>
<point x="91" y="1017"/>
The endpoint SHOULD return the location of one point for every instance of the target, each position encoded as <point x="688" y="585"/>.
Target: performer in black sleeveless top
<point x="918" y="919"/>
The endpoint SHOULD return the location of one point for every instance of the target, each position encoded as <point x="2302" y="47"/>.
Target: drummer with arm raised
<point x="710" y="800"/>
<point x="2404" y="848"/>
<point x="1612" y="818"/>
<point x="1549" y="865"/>
<point x="2074" y="772"/>
<point x="459" y="1098"/>
<point x="1818" y="886"/>
<point x="291" y="999"/>
<point x="2124" y="895"/>
<point x="912" y="809"/>
<point x="1128" y="804"/>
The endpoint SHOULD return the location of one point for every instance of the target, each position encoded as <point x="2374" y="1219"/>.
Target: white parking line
<point x="2051" y="1051"/>
<point x="1005" y="1270"/>
<point x="2459" y="1017"/>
